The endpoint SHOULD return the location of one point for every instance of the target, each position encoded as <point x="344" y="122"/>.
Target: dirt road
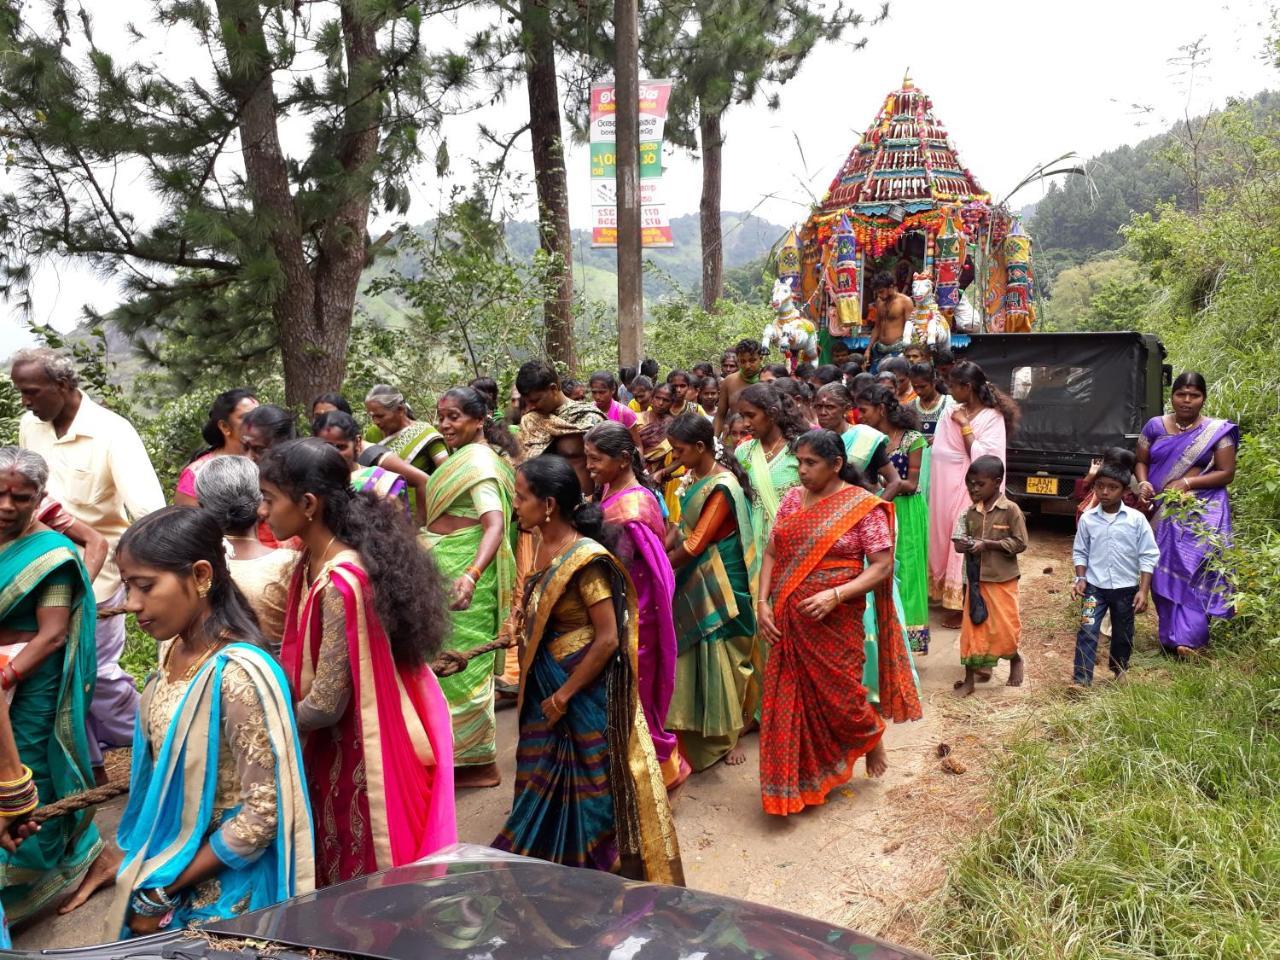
<point x="874" y="855"/>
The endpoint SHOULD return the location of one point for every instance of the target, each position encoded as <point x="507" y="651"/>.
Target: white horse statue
<point x="790" y="332"/>
<point x="927" y="325"/>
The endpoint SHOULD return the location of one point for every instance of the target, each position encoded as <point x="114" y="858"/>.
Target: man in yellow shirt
<point x="100" y="472"/>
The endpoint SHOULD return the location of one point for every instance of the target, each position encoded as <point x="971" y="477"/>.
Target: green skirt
<point x="718" y="670"/>
<point x="913" y="565"/>
<point x="470" y="693"/>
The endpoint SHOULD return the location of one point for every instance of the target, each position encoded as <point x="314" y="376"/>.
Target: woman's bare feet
<point x="101" y="873"/>
<point x="964" y="688"/>
<point x="736" y="756"/>
<point x="1186" y="653"/>
<point x="1017" y="669"/>
<point x="877" y="761"/>
<point x="478" y="775"/>
<point x="951" y="619"/>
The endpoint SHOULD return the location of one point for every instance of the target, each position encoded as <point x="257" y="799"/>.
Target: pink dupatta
<point x="399" y="718"/>
<point x="636" y="510"/>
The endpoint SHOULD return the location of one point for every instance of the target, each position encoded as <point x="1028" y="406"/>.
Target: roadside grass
<point x="1143" y="821"/>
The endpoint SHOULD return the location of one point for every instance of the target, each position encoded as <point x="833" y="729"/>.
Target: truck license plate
<point x="1043" y="485"/>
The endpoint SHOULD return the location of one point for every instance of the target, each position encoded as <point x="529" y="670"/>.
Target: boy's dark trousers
<point x="1120" y="603"/>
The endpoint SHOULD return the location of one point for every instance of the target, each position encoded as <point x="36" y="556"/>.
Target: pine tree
<point x="265" y="166"/>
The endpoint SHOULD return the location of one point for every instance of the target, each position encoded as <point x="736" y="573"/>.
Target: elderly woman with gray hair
<point x="228" y="490"/>
<point x="47" y="671"/>
<point x="416" y="442"/>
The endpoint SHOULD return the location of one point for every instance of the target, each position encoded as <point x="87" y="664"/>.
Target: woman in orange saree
<point x="366" y="615"/>
<point x="832" y="542"/>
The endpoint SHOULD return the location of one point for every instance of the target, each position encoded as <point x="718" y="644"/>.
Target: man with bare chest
<point x="750" y="357"/>
<point x="893" y="309"/>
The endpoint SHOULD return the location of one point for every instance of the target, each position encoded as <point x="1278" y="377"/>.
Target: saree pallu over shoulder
<point x="637" y="512"/>
<point x="48" y="862"/>
<point x="413" y="441"/>
<point x="556" y="806"/>
<point x="1186" y="589"/>
<point x="451" y="491"/>
<point x="707" y="601"/>
<point x="811" y="534"/>
<point x="170" y="814"/>
<point x="392" y="751"/>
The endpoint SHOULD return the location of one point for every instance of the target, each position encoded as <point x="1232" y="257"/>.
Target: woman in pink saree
<point x="976" y="425"/>
<point x="366" y="615"/>
<point x="619" y="475"/>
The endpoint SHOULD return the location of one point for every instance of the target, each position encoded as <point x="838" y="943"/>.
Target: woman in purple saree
<point x="616" y="468"/>
<point x="1189" y="453"/>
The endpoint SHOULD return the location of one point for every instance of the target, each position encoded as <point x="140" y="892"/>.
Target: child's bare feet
<point x="877" y="761"/>
<point x="964" y="688"/>
<point x="1017" y="669"/>
<point x="951" y="619"/>
<point x="979" y="676"/>
<point x="736" y="756"/>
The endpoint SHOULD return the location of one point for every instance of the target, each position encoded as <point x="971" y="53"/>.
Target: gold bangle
<point x="21" y="781"/>
<point x="966" y="431"/>
<point x="12" y="814"/>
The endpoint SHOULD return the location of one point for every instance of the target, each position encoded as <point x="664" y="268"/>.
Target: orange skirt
<point x="997" y="637"/>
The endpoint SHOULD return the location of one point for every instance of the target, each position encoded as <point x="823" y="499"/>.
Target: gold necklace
<point x="191" y="670"/>
<point x="1180" y="428"/>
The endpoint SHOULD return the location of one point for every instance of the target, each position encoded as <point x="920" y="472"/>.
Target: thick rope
<point x="445" y="665"/>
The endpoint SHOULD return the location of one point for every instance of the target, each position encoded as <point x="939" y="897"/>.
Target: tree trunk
<point x="550" y="179"/>
<point x="709" y="208"/>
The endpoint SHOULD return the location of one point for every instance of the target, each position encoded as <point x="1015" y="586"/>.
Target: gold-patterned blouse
<point x="246" y="763"/>
<point x="570" y="622"/>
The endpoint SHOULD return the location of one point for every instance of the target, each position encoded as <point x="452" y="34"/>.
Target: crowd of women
<point x="647" y="577"/>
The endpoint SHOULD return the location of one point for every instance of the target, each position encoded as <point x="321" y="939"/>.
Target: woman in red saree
<point x="366" y="616"/>
<point x="832" y="542"/>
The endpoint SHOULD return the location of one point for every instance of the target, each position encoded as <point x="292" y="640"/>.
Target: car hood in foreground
<point x="473" y="903"/>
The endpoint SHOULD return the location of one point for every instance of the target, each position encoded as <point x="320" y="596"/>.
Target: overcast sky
<point x="1016" y="84"/>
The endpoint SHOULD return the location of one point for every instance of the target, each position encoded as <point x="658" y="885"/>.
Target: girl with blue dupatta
<point x="589" y="791"/>
<point x="217" y="822"/>
<point x="46" y="606"/>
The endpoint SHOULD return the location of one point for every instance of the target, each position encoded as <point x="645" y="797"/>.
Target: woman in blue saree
<point x="217" y="822"/>
<point x="1186" y="454"/>
<point x="47" y="619"/>
<point x="589" y="791"/>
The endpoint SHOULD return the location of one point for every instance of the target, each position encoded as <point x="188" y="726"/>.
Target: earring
<point x="548" y="517"/>
<point x="202" y="590"/>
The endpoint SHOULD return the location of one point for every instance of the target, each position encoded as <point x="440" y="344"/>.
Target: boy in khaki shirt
<point x="991" y="534"/>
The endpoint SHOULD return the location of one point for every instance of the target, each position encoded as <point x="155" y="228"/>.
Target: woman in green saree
<point x="47" y="606"/>
<point x="416" y="442"/>
<point x="719" y="671"/>
<point x="471" y="536"/>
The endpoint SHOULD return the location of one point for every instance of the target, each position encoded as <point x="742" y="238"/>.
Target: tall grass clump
<point x="1141" y="823"/>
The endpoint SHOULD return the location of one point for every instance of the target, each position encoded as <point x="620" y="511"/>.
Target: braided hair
<point x="968" y="373"/>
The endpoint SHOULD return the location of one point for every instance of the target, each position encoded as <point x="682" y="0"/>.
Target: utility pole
<point x="627" y="101"/>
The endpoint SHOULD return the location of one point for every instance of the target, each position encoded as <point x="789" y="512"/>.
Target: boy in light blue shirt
<point x="1114" y="554"/>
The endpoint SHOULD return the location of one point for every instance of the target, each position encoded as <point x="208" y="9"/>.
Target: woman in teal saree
<point x="46" y="606"/>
